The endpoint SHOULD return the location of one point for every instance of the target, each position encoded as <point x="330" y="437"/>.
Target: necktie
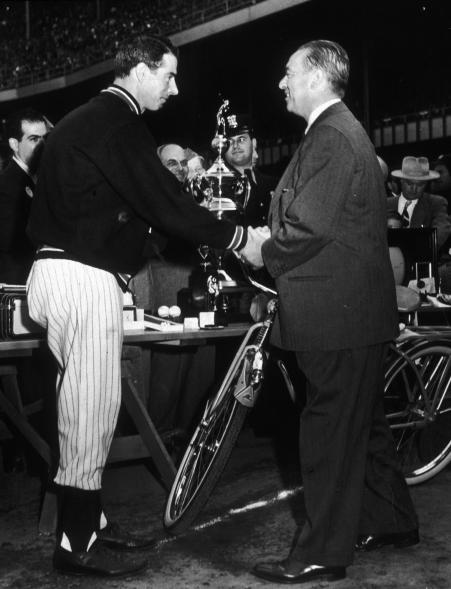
<point x="405" y="215"/>
<point x="249" y="175"/>
<point x="251" y="183"/>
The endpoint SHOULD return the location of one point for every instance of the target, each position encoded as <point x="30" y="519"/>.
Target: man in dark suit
<point x="26" y="130"/>
<point x="417" y="207"/>
<point x="102" y="195"/>
<point x="328" y="254"/>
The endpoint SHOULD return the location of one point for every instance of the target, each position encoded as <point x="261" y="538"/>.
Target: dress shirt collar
<point x="402" y="203"/>
<point x="125" y="96"/>
<point x="318" y="110"/>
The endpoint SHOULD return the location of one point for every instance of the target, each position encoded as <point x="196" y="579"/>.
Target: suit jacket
<point x="328" y="247"/>
<point x="431" y="210"/>
<point x="16" y="249"/>
<point x="101" y="186"/>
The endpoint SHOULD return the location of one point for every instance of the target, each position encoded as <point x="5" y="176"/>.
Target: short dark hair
<point x="332" y="59"/>
<point x="13" y="125"/>
<point x="148" y="49"/>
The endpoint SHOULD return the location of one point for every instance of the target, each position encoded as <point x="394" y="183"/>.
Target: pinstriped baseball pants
<point x="81" y="307"/>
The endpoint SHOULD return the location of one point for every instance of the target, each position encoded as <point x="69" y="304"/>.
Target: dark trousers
<point x="352" y="482"/>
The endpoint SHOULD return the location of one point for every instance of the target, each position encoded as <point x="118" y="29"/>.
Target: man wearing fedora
<point x="417" y="207"/>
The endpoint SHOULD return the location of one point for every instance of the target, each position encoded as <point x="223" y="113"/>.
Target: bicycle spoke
<point x="418" y="408"/>
<point x="202" y="456"/>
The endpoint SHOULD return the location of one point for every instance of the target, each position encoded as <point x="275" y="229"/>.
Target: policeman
<point x="241" y="156"/>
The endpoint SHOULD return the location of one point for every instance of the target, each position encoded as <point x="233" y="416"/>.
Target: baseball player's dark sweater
<point x="101" y="187"/>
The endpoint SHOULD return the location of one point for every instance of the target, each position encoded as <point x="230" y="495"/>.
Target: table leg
<point x="9" y="399"/>
<point x="147" y="431"/>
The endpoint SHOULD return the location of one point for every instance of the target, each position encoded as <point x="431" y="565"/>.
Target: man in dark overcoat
<point x="26" y="130"/>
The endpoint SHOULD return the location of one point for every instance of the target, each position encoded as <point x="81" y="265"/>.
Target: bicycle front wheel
<point x="418" y="409"/>
<point x="207" y="455"/>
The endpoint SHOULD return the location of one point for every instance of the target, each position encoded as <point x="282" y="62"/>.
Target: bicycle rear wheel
<point x="208" y="453"/>
<point x="418" y="409"/>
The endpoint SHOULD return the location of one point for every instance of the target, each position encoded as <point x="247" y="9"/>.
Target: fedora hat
<point x="415" y="168"/>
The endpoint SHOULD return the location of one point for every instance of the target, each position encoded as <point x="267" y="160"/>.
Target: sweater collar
<point x="124" y="95"/>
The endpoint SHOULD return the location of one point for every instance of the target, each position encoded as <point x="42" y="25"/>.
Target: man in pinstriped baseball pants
<point x="88" y="353"/>
<point x="101" y="201"/>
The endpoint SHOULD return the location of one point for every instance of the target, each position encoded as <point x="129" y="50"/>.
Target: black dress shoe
<point x="398" y="540"/>
<point x="282" y="572"/>
<point x="96" y="562"/>
<point x="113" y="537"/>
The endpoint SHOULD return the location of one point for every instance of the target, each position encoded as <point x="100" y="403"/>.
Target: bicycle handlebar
<point x="263" y="287"/>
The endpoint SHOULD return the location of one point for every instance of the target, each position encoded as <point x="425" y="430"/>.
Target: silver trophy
<point x="222" y="191"/>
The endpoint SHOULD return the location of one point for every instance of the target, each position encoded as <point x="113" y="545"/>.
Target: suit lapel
<point x="23" y="178"/>
<point x="284" y="183"/>
<point x="419" y="214"/>
<point x="287" y="177"/>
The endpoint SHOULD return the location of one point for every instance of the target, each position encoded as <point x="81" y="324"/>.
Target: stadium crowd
<point x="67" y="36"/>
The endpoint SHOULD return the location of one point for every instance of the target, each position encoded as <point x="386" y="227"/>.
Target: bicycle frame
<point x="431" y="405"/>
<point x="251" y="373"/>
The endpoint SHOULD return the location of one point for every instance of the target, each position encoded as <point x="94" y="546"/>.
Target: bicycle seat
<point x="407" y="299"/>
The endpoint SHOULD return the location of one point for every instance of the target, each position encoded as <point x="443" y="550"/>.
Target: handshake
<point x="251" y="253"/>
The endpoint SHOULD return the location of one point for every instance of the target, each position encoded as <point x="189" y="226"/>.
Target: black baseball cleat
<point x="368" y="542"/>
<point x="113" y="537"/>
<point x="96" y="562"/>
<point x="283" y="572"/>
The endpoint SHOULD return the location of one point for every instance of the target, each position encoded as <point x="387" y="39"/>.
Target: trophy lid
<point x="219" y="168"/>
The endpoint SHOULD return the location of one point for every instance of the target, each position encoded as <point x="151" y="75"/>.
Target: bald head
<point x="173" y="157"/>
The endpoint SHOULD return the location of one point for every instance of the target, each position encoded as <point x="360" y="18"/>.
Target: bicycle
<point x="416" y="392"/>
<point x="220" y="425"/>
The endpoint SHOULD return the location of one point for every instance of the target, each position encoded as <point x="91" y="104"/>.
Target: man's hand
<point x="264" y="231"/>
<point x="251" y="253"/>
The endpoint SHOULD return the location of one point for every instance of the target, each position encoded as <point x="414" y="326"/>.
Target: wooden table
<point x="24" y="347"/>
<point x="146" y="443"/>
